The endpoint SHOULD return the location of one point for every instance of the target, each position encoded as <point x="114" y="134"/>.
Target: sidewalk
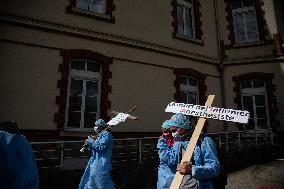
<point x="265" y="176"/>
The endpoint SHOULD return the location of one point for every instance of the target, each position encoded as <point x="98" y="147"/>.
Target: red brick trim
<point x="195" y="74"/>
<point x="62" y="84"/>
<point x="260" y="21"/>
<point x="108" y="17"/>
<point x="197" y="23"/>
<point x="270" y="88"/>
<point x="278" y="49"/>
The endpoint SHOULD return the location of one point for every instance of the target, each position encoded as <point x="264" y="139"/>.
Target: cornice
<point x="254" y="60"/>
<point x="101" y="36"/>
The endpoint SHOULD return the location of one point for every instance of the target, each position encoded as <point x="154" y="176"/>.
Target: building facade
<point x="67" y="63"/>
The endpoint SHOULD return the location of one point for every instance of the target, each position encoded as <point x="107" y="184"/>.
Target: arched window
<point x="254" y="92"/>
<point x="190" y="86"/>
<point x="254" y="99"/>
<point x="84" y="89"/>
<point x="189" y="90"/>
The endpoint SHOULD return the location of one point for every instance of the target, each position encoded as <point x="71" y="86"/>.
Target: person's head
<point x="10" y="127"/>
<point x="100" y="124"/>
<point x="166" y="127"/>
<point x="181" y="126"/>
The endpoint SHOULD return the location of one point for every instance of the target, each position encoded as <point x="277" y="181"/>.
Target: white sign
<point x="120" y="117"/>
<point x="238" y="116"/>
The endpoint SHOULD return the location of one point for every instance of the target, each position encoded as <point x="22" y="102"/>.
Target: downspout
<point x="220" y="61"/>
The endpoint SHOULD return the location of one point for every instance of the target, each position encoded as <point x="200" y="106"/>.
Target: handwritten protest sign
<point x="238" y="116"/>
<point x="120" y="117"/>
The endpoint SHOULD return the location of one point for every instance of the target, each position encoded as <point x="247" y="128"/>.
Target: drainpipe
<point x="220" y="61"/>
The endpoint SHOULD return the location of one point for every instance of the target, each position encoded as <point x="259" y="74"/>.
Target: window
<point x="254" y="100"/>
<point x="185" y="18"/>
<point x="97" y="6"/>
<point x="189" y="90"/>
<point x="83" y="89"/>
<point x="245" y="21"/>
<point x="83" y="101"/>
<point x="187" y="24"/>
<point x="98" y="9"/>
<point x="189" y="93"/>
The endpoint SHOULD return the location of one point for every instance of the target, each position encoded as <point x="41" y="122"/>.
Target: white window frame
<point x="185" y="5"/>
<point x="189" y="88"/>
<point x="85" y="76"/>
<point x="253" y="92"/>
<point x="91" y="6"/>
<point x="243" y="11"/>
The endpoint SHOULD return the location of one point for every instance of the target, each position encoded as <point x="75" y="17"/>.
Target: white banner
<point x="238" y="116"/>
<point x="120" y="117"/>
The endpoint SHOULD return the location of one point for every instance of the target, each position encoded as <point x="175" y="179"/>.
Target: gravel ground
<point x="270" y="175"/>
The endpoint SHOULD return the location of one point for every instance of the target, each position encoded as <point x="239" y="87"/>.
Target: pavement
<point x="264" y="176"/>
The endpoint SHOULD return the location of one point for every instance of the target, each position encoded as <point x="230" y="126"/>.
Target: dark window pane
<point x="246" y="84"/>
<point x="262" y="123"/>
<point x="75" y="103"/>
<point x="91" y="104"/>
<point x="236" y="4"/>
<point x="74" y="119"/>
<point x="76" y="87"/>
<point x="93" y="67"/>
<point x="259" y="100"/>
<point x="248" y="105"/>
<point x="90" y="119"/>
<point x="82" y="4"/>
<point x="180" y="19"/>
<point x="257" y="84"/>
<point x="183" y="97"/>
<point x="188" y="1"/>
<point x="192" y="98"/>
<point x="261" y="112"/>
<point x="92" y="88"/>
<point x="78" y="65"/>
<point x="192" y="82"/>
<point x="98" y="6"/>
<point x="189" y="23"/>
<point x="250" y="125"/>
<point x="248" y="3"/>
<point x="239" y="26"/>
<point x="183" y="80"/>
<point x="251" y="25"/>
<point x="247" y="102"/>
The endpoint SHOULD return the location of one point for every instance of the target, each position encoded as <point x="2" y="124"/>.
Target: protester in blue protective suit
<point x="97" y="172"/>
<point x="206" y="165"/>
<point x="165" y="172"/>
<point x="17" y="163"/>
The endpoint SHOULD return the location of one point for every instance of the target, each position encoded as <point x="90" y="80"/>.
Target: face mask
<point x="175" y="134"/>
<point x="165" y="134"/>
<point x="96" y="129"/>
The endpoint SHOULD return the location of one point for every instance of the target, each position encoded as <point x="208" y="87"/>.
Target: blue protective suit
<point x="167" y="166"/>
<point x="97" y="172"/>
<point x="205" y="158"/>
<point x="17" y="163"/>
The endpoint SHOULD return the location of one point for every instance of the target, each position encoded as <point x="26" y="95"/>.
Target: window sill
<point x="185" y="38"/>
<point x="76" y="132"/>
<point x="250" y="44"/>
<point x="103" y="17"/>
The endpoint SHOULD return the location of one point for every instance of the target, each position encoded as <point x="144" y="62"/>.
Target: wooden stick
<point x="190" y="148"/>
<point x="128" y="112"/>
<point x="109" y="126"/>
